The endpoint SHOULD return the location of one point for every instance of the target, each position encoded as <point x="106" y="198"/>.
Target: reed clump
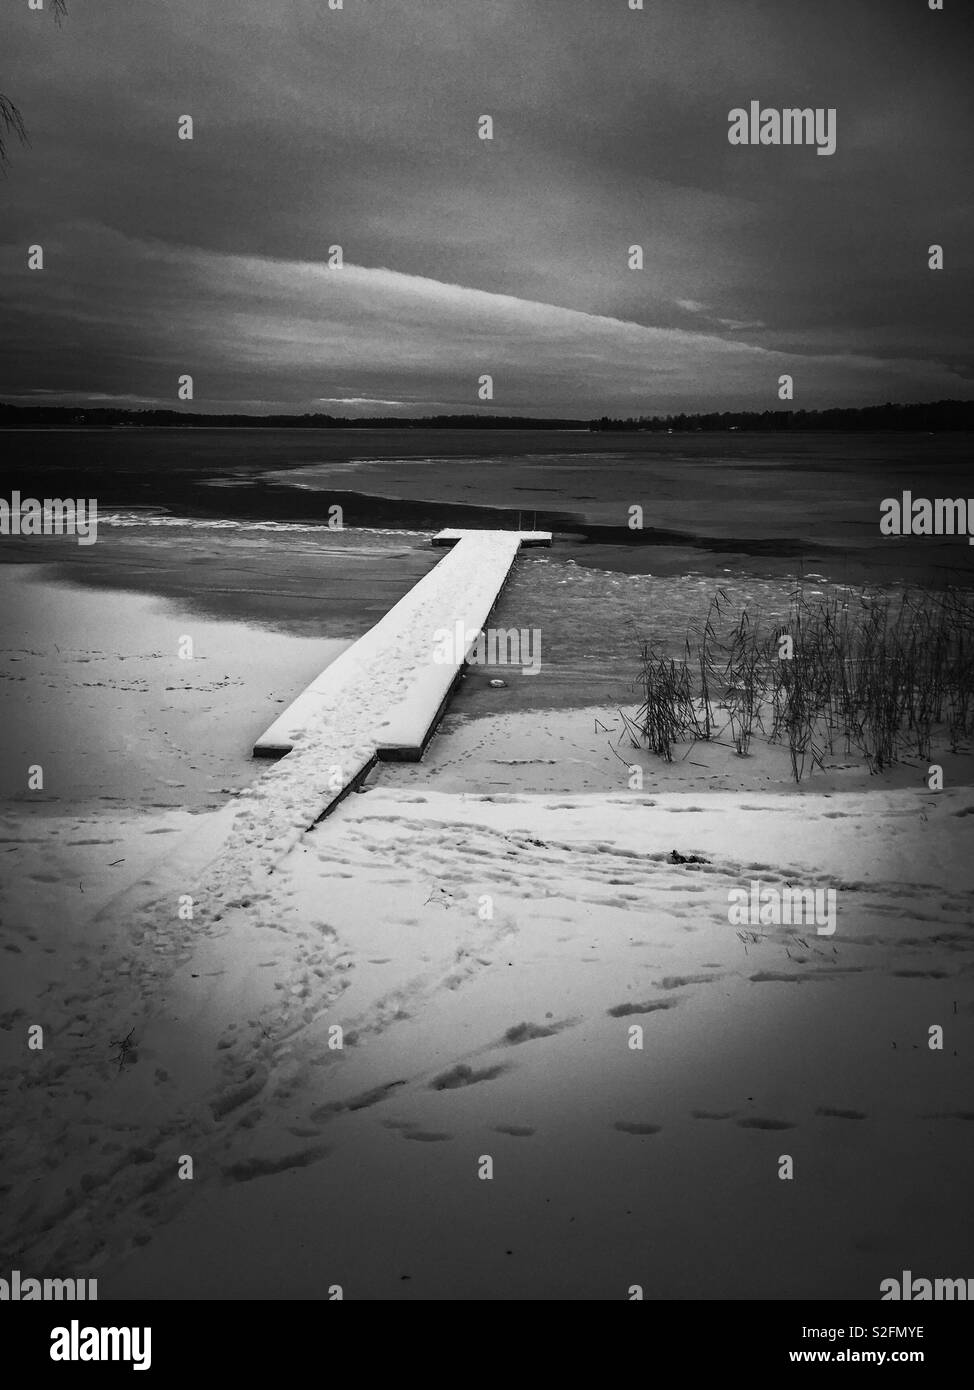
<point x="874" y="674"/>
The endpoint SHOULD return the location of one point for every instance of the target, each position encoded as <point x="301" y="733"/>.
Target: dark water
<point x="233" y="524"/>
<point x="777" y="504"/>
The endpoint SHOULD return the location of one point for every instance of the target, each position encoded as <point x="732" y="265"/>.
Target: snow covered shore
<point x="486" y="957"/>
<point x="494" y="931"/>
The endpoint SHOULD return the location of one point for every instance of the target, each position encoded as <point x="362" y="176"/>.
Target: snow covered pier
<point x="385" y="694"/>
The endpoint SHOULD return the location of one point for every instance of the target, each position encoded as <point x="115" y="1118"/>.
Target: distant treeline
<point x="931" y="415"/>
<point x="100" y="418"/>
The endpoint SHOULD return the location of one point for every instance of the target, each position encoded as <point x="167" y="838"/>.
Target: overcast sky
<point x="359" y="127"/>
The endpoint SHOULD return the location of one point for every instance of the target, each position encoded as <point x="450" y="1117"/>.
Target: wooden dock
<point x="381" y="698"/>
<point x="384" y="695"/>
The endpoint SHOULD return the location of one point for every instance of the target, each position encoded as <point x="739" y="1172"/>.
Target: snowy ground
<point x="486" y="956"/>
<point x="486" y="927"/>
<point x="95" y="690"/>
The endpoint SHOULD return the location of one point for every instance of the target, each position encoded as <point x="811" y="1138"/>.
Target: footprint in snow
<point x="462" y="1075"/>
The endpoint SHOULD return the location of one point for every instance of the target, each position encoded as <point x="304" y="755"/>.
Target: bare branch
<point x="11" y="123"/>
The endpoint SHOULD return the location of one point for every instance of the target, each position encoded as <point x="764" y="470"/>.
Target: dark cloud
<point x="315" y="127"/>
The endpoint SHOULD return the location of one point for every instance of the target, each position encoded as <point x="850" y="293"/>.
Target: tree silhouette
<point x="11" y="120"/>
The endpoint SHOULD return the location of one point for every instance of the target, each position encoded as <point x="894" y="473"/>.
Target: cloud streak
<point x="248" y="327"/>
<point x="358" y="127"/>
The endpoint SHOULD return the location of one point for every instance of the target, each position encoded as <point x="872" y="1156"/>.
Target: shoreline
<point x="491" y="930"/>
<point x="125" y="721"/>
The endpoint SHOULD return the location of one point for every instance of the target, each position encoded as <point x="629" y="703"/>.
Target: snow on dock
<point x="450" y="537"/>
<point x="388" y="690"/>
<point x="381" y="698"/>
